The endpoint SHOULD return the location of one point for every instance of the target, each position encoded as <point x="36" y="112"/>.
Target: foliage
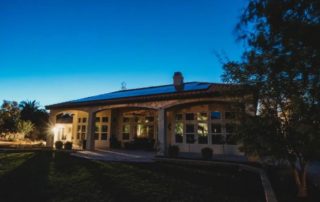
<point x="30" y="111"/>
<point x="58" y="144"/>
<point x="25" y="127"/>
<point x="9" y="116"/>
<point x="173" y="151"/>
<point x="281" y="63"/>
<point x="68" y="145"/>
<point x="206" y="153"/>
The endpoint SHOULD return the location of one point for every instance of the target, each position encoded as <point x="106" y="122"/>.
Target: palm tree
<point x="31" y="111"/>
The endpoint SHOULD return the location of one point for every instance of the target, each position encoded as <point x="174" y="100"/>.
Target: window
<point x="203" y="116"/>
<point x="217" y="139"/>
<point x="105" y="119"/>
<point x="125" y="132"/>
<point x="84" y="120"/>
<point x="230" y="115"/>
<point x="104" y="132"/>
<point x="215" y="115"/>
<point x="190" y="139"/>
<point x="179" y="132"/>
<point x="97" y="119"/>
<point x="78" y="132"/>
<point x="189" y="128"/>
<point x="96" y="133"/>
<point x="202" y="133"/>
<point x="179" y="117"/>
<point x="189" y="116"/>
<point x="216" y="128"/>
<point x="79" y="120"/>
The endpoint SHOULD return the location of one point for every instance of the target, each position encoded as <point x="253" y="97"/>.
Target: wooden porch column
<point x="91" y="131"/>
<point x="162" y="136"/>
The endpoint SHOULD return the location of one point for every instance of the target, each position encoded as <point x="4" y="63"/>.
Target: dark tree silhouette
<point x="282" y="62"/>
<point x="31" y="111"/>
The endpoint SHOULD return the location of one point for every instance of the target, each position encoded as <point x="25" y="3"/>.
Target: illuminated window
<point x="202" y="133"/>
<point x="179" y="132"/>
<point x="203" y="116"/>
<point x="125" y="132"/>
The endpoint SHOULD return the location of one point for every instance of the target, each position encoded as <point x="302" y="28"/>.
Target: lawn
<point x="41" y="177"/>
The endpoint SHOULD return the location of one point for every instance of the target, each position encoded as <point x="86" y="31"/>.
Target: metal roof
<point x="156" y="90"/>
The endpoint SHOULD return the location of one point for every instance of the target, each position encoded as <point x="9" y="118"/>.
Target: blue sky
<point x="58" y="50"/>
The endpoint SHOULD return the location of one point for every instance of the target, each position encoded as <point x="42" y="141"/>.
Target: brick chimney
<point x="178" y="81"/>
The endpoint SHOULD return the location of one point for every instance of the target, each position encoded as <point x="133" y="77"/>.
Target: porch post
<point x="50" y="135"/>
<point x="162" y="136"/>
<point x="91" y="131"/>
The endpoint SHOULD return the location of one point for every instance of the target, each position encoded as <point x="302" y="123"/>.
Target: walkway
<point x="117" y="155"/>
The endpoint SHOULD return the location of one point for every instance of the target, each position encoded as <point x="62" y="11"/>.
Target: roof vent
<point x="178" y="81"/>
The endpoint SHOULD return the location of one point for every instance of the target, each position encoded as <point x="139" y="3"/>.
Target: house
<point x="191" y="115"/>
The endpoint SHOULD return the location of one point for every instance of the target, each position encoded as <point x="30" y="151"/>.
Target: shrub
<point x="58" y="144"/>
<point x="173" y="151"/>
<point x="68" y="145"/>
<point x="206" y="153"/>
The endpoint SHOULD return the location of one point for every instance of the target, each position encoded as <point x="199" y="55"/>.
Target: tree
<point x="25" y="127"/>
<point x="9" y="115"/>
<point x="30" y="111"/>
<point x="282" y="63"/>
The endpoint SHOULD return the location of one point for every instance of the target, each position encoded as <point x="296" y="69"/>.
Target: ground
<point x="43" y="176"/>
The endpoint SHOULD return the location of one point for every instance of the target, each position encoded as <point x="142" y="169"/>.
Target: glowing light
<point x="55" y="130"/>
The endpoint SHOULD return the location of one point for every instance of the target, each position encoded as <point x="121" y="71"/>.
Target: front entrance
<point x="63" y="132"/>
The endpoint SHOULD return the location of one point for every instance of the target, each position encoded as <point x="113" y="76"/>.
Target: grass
<point x="41" y="177"/>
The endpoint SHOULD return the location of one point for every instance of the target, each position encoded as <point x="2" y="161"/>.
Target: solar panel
<point x="192" y="86"/>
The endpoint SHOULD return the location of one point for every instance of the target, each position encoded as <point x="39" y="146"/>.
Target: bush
<point x="68" y="145"/>
<point x="58" y="144"/>
<point x="173" y="151"/>
<point x="206" y="153"/>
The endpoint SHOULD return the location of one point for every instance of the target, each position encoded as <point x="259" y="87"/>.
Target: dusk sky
<point x="58" y="50"/>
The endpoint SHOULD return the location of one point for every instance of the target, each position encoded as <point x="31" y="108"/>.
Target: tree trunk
<point x="300" y="177"/>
